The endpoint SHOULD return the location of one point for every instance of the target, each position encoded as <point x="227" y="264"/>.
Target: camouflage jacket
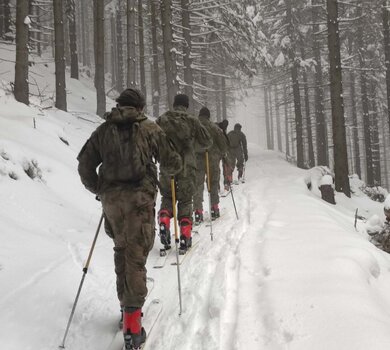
<point x="381" y="239"/>
<point x="219" y="147"/>
<point x="107" y="148"/>
<point x="185" y="132"/>
<point x="238" y="139"/>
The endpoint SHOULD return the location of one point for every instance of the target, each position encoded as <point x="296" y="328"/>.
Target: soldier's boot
<point x="198" y="216"/>
<point x="133" y="332"/>
<point x="164" y="220"/>
<point x="185" y="234"/>
<point x="215" y="212"/>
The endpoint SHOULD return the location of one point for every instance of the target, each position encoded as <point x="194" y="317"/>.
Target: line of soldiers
<point x="125" y="149"/>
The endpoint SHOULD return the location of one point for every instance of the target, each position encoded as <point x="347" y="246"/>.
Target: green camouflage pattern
<point x="216" y="152"/>
<point x="128" y="193"/>
<point x="237" y="148"/>
<point x="186" y="133"/>
<point x="107" y="147"/>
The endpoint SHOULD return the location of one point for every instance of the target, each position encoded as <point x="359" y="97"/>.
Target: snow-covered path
<point x="292" y="273"/>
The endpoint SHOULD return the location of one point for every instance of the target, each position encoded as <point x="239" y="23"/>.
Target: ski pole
<point x="243" y="172"/>
<point x="85" y="270"/>
<point x="234" y="203"/>
<point x="356" y="217"/>
<point x="173" y="189"/>
<point x="209" y="190"/>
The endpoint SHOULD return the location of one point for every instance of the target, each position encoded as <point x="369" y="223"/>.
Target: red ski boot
<point x="164" y="221"/>
<point x="133" y="332"/>
<point x="198" y="216"/>
<point x="185" y="235"/>
<point x="215" y="212"/>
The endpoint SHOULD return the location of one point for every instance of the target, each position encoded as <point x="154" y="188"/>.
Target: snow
<point x="387" y="202"/>
<point x="292" y="273"/>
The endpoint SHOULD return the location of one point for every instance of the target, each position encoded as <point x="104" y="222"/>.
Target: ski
<point x="225" y="194"/>
<point x="160" y="261"/>
<point x="150" y="317"/>
<point x="182" y="257"/>
<point x="196" y="228"/>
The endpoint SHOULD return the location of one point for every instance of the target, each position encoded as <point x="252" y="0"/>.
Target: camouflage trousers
<point x="201" y="174"/>
<point x="185" y="187"/>
<point x="227" y="168"/>
<point x="131" y="215"/>
<point x="237" y="157"/>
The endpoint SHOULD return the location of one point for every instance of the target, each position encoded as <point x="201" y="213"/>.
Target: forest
<point x="319" y="67"/>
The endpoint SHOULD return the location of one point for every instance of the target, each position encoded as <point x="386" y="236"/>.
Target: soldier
<point x="227" y="167"/>
<point x="126" y="147"/>
<point x="381" y="238"/>
<point x="215" y="153"/>
<point x="184" y="131"/>
<point x="238" y="149"/>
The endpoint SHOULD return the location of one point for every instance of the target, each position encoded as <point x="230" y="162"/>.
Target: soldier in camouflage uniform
<point x="215" y="153"/>
<point x="184" y="131"/>
<point x="381" y="239"/>
<point x="227" y="162"/>
<point x="126" y="147"/>
<point x="238" y="149"/>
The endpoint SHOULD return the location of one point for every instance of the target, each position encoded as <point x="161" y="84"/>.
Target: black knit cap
<point x="238" y="126"/>
<point x="131" y="98"/>
<point x="181" y="100"/>
<point x="224" y="123"/>
<point x="204" y="112"/>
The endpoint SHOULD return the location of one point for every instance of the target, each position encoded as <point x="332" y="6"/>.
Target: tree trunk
<point x="66" y="36"/>
<point x="267" y="118"/>
<point x="131" y="59"/>
<point x="187" y="60"/>
<point x="386" y="49"/>
<point x="1" y="18"/>
<point x="355" y="134"/>
<point x="204" y="75"/>
<point x="141" y="45"/>
<point x="39" y="33"/>
<point x="7" y="20"/>
<point x="113" y="51"/>
<point x="271" y="117"/>
<point x="21" y="61"/>
<point x="223" y="99"/>
<point x="84" y="18"/>
<point x="321" y="134"/>
<point x="169" y="53"/>
<point x="286" y="131"/>
<point x="59" y="54"/>
<point x="218" y="99"/>
<point x="360" y="41"/>
<point x="74" y="60"/>
<point x="119" y="47"/>
<point x="376" y="157"/>
<point x="156" y="72"/>
<point x="277" y="116"/>
<point x="295" y="84"/>
<point x="310" y="150"/>
<point x="336" y="91"/>
<point x="99" y="56"/>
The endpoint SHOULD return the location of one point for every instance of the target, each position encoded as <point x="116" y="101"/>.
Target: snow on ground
<point x="292" y="273"/>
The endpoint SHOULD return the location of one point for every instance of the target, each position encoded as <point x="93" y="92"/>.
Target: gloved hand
<point x="246" y="157"/>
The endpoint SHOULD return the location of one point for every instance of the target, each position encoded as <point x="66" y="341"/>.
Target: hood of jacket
<point x="125" y="115"/>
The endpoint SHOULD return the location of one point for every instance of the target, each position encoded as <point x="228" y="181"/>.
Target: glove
<point x="246" y="157"/>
